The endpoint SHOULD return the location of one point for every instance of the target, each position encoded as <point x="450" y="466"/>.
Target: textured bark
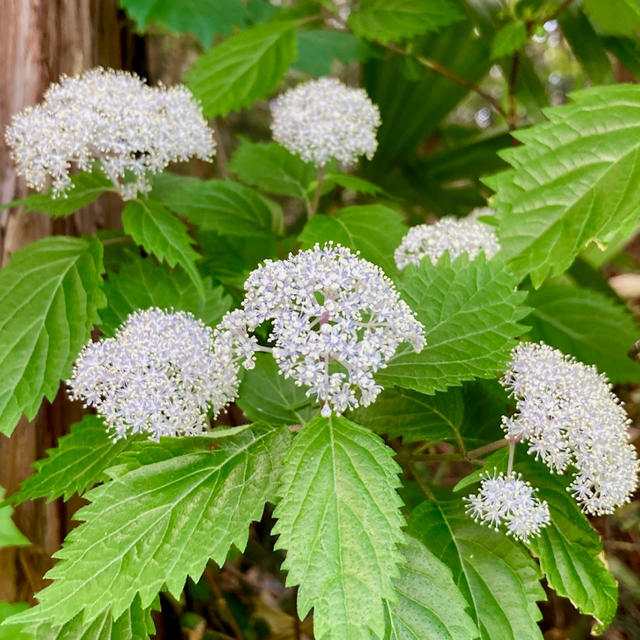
<point x="39" y="40"/>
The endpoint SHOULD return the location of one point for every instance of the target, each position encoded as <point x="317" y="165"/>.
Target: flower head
<point x="570" y="418"/>
<point x="336" y="320"/>
<point x="457" y="236"/>
<point x="112" y="117"/>
<point x="324" y="119"/>
<point x="510" y="501"/>
<point x="157" y="375"/>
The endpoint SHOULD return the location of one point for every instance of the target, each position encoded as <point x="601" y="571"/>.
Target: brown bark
<point x="40" y="40"/>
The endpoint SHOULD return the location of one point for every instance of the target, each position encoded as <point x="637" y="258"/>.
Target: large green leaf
<point x="10" y="535"/>
<point x="142" y="283"/>
<point x="318" y="48"/>
<point x="228" y="208"/>
<point x="265" y="394"/>
<point x="382" y="21"/>
<point x="247" y="66"/>
<point x="270" y="167"/>
<point x="374" y="230"/>
<point x="49" y="295"/>
<point x="202" y="18"/>
<point x="339" y="520"/>
<point x="85" y="188"/>
<point x="569" y="549"/>
<point x="470" y="311"/>
<point x="496" y="574"/>
<point x="586" y="324"/>
<point x="429" y="603"/>
<point x="162" y="519"/>
<point x="8" y="609"/>
<point x="75" y="465"/>
<point x="159" y="232"/>
<point x="615" y="16"/>
<point x="576" y="179"/>
<point x="134" y="624"/>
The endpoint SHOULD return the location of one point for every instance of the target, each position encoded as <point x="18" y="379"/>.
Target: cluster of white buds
<point x="336" y="320"/>
<point x="325" y="119"/>
<point x="157" y="375"/>
<point x="510" y="501"/>
<point x="570" y="417"/>
<point x="455" y="235"/>
<point x="112" y="117"/>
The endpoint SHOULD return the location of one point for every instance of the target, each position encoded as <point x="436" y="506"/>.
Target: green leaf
<point x="142" y="283"/>
<point x="339" y="520"/>
<point x="75" y="465"/>
<point x="429" y="603"/>
<point x="373" y="230"/>
<point x="618" y="17"/>
<point x="134" y="624"/>
<point x="49" y="295"/>
<point x="318" y="48"/>
<point x="569" y="549"/>
<point x="508" y="39"/>
<point x="162" y="521"/>
<point x="85" y="188"/>
<point x="228" y="208"/>
<point x="350" y="182"/>
<point x="8" y="609"/>
<point x="247" y="66"/>
<point x="271" y="167"/>
<point x="496" y="575"/>
<point x="266" y="395"/>
<point x="379" y="20"/>
<point x="470" y="311"/>
<point x="575" y="180"/>
<point x="203" y="18"/>
<point x="588" y="325"/>
<point x="159" y="232"/>
<point x="10" y="535"/>
<point x="627" y="50"/>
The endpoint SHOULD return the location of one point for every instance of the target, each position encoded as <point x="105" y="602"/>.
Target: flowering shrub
<point x="394" y="357"/>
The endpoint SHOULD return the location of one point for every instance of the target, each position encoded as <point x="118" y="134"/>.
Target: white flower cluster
<point x="157" y="375"/>
<point x="457" y="236"/>
<point x="570" y="417"/>
<point x="324" y="119"/>
<point x="510" y="501"/>
<point x="336" y="320"/>
<point x="112" y="117"/>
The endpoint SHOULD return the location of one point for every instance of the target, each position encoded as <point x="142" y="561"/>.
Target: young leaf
<point x="228" y="208"/>
<point x="75" y="465"/>
<point x="495" y="574"/>
<point x="339" y="520"/>
<point x="85" y="188"/>
<point x="575" y="179"/>
<point x="379" y="20"/>
<point x="10" y="535"/>
<point x="159" y="232"/>
<point x="429" y="603"/>
<point x="49" y="295"/>
<point x="569" y="549"/>
<point x="160" y="522"/>
<point x="134" y="624"/>
<point x="269" y="166"/>
<point x="588" y="325"/>
<point x="470" y="311"/>
<point x="266" y="395"/>
<point x="373" y="230"/>
<point x="142" y="283"/>
<point x="247" y="66"/>
<point x="509" y="39"/>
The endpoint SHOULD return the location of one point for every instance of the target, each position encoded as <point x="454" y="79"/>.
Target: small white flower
<point x="325" y="119"/>
<point x="571" y="419"/>
<point x="336" y="320"/>
<point x="158" y="375"/>
<point x="112" y="117"/>
<point x="457" y="236"/>
<point x="510" y="501"/>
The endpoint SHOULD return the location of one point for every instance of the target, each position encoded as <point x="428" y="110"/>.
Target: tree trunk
<point x="39" y="41"/>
